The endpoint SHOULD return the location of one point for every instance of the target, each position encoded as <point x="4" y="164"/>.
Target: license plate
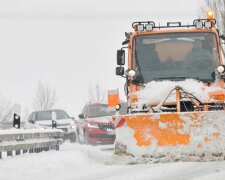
<point x="111" y="132"/>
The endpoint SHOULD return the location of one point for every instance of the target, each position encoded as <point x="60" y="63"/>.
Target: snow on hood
<point x="156" y="91"/>
<point x="104" y="119"/>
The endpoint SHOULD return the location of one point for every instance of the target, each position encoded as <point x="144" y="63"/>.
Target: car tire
<point x="73" y="138"/>
<point x="86" y="141"/>
<point x="79" y="138"/>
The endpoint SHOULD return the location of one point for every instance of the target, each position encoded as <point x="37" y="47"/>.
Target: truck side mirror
<point x="119" y="71"/>
<point x="120" y="57"/>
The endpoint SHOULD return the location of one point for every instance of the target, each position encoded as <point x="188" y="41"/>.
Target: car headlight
<point x="73" y="125"/>
<point x="92" y="125"/>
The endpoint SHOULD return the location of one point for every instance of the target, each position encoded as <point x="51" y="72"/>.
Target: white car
<point x="44" y="119"/>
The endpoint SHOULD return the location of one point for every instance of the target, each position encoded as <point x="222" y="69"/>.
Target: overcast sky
<point x="71" y="44"/>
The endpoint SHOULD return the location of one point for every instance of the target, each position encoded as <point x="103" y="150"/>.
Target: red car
<point x="95" y="125"/>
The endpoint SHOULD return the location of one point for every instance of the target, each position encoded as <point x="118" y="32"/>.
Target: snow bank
<point x="83" y="162"/>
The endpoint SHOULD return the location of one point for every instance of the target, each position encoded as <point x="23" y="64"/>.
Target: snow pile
<point x="83" y="162"/>
<point x="156" y="91"/>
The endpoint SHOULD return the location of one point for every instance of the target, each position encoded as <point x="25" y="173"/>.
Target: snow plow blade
<point x="173" y="136"/>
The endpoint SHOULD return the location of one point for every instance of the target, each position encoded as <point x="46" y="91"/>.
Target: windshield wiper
<point x="171" y="78"/>
<point x="182" y="78"/>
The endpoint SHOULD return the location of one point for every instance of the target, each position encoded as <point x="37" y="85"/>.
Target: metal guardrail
<point x="9" y="125"/>
<point x="18" y="141"/>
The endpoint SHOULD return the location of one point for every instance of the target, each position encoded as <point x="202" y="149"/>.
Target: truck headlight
<point x="92" y="125"/>
<point x="221" y="69"/>
<point x="118" y="106"/>
<point x="131" y="73"/>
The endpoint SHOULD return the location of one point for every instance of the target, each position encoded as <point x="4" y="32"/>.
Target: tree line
<point x="218" y="7"/>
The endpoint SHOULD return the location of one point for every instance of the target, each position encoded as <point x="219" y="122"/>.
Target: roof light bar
<point x="208" y="24"/>
<point x="199" y="24"/>
<point x="140" y="27"/>
<point x="173" y="24"/>
<point x="149" y="27"/>
<point x="144" y="25"/>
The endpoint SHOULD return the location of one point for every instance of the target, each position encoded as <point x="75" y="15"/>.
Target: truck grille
<point x="64" y="129"/>
<point x="105" y="127"/>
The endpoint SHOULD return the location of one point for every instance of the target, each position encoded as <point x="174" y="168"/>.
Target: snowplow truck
<point x="175" y="92"/>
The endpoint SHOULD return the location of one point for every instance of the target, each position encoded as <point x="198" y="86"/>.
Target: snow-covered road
<point x="83" y="162"/>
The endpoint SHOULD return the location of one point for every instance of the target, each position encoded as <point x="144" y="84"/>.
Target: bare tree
<point x="26" y="113"/>
<point x="218" y="6"/>
<point x="45" y="97"/>
<point x="6" y="110"/>
<point x="96" y="94"/>
<point x="220" y="10"/>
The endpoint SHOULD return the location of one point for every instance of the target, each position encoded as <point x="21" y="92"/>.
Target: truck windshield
<point x="175" y="55"/>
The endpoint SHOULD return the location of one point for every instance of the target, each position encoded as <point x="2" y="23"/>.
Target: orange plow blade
<point x="184" y="135"/>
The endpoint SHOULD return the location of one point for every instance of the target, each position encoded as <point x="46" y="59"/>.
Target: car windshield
<point x="47" y="115"/>
<point x="175" y="55"/>
<point x="99" y="110"/>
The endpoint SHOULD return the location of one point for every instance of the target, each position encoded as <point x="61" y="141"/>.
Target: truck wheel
<point x="73" y="138"/>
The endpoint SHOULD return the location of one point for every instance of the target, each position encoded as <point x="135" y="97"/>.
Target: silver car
<point x="54" y="117"/>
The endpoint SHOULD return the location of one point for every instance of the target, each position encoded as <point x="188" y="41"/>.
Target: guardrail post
<point x="16" y="121"/>
<point x="31" y="150"/>
<point x="57" y="147"/>
<point x="54" y="117"/>
<point x="18" y="152"/>
<point x="54" y="124"/>
<point x="9" y="153"/>
<point x="0" y="155"/>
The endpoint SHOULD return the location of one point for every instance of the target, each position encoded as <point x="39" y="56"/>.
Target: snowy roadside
<point x="83" y="162"/>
